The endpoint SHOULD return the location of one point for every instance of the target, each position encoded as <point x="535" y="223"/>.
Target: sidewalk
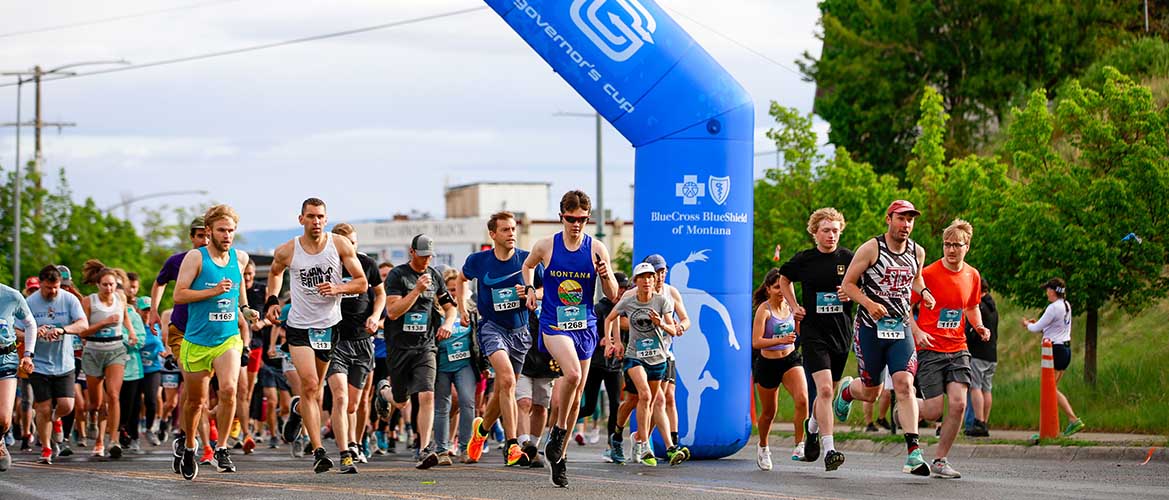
<point x="1108" y="446"/>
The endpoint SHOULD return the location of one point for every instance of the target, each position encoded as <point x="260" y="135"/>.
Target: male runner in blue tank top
<point x="880" y="277"/>
<point x="503" y="331"/>
<point x="574" y="264"/>
<point x="210" y="282"/>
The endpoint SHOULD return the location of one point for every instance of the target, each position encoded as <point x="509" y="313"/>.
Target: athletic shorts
<point x="381" y="370"/>
<point x="46" y="387"/>
<point x="983" y="374"/>
<point x="299" y="337"/>
<point x="516" y="342"/>
<point x="652" y="372"/>
<point x="539" y="390"/>
<point x="9" y="363"/>
<point x="94" y="362"/>
<point x="354" y="358"/>
<point x="819" y="357"/>
<point x="769" y="373"/>
<point x="1062" y="355"/>
<point x="585" y="341"/>
<point x="197" y="358"/>
<point x="171" y="380"/>
<point x="174" y="339"/>
<point x="272" y="377"/>
<point x="255" y="359"/>
<point x="411" y="372"/>
<point x="873" y="355"/>
<point x="935" y="370"/>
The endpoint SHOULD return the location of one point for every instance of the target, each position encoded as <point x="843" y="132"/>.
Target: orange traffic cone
<point x="1048" y="403"/>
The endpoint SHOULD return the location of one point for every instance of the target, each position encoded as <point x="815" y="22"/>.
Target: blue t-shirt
<point x="455" y="352"/>
<point x="55" y="358"/>
<point x="496" y="295"/>
<point x="151" y="352"/>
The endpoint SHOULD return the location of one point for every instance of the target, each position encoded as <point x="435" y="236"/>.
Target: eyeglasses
<point x="574" y="220"/>
<point x="953" y="245"/>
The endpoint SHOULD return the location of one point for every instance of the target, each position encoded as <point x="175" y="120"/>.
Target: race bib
<point x="320" y="339"/>
<point x="4" y="333"/>
<point x="649" y="348"/>
<point x="949" y="319"/>
<point x="416" y="322"/>
<point x="458" y="350"/>
<point x="221" y="317"/>
<point x="783" y="329"/>
<point x="889" y="328"/>
<point x="381" y="334"/>
<point x="828" y="303"/>
<point x="170" y="380"/>
<point x="147" y="362"/>
<point x="76" y="343"/>
<point x="504" y="299"/>
<point x="106" y="333"/>
<point x="571" y="318"/>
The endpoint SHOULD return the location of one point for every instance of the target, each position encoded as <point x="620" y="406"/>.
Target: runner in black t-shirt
<point x="825" y="325"/>
<point x="983" y="361"/>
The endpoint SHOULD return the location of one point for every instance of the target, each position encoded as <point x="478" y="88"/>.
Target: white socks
<point x="827" y="443"/>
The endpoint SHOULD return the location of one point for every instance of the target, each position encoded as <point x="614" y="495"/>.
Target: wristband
<point x="925" y="289"/>
<point x="529" y="288"/>
<point x="272" y="301"/>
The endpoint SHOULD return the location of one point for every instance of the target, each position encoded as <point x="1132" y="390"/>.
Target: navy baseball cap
<point x="657" y="261"/>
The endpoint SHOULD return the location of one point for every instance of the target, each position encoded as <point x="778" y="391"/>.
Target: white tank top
<point x="310" y="309"/>
<point x="99" y="312"/>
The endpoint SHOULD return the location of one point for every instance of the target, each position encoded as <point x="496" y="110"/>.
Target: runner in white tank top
<point x="314" y="260"/>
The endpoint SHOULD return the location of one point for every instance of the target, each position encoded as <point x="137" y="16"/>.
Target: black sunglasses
<point x="571" y="219"/>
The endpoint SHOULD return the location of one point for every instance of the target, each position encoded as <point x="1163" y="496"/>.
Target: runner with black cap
<point x="415" y="295"/>
<point x="883" y="274"/>
<point x="314" y="260"/>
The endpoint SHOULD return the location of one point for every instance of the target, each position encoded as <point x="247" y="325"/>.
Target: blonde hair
<point x="217" y="212"/>
<point x="824" y="214"/>
<point x="959" y="228"/>
<point x="344" y="229"/>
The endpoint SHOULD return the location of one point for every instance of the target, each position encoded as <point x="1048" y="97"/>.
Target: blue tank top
<point x="776" y="328"/>
<point x="211" y="322"/>
<point x="570" y="281"/>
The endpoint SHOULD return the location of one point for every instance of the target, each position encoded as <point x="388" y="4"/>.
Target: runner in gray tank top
<point x="314" y="261"/>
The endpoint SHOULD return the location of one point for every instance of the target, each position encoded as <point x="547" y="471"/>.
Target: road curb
<point x="1135" y="454"/>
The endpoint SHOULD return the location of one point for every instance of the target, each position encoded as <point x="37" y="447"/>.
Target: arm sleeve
<point x="30" y="326"/>
<point x="441" y="294"/>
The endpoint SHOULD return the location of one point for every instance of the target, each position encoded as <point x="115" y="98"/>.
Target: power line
<point x="736" y="42"/>
<point x="253" y="48"/>
<point x="123" y="17"/>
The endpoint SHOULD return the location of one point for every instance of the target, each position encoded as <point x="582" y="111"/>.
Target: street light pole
<point x="127" y="200"/>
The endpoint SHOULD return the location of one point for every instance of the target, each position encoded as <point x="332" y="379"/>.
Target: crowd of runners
<point x="510" y="349"/>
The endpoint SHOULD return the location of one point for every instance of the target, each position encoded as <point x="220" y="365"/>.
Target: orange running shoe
<point x="249" y="445"/>
<point x="475" y="444"/>
<point x="208" y="454"/>
<point x="516" y="456"/>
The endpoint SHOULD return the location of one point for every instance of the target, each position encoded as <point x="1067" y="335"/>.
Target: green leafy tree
<point x="1092" y="206"/>
<point x="878" y="55"/>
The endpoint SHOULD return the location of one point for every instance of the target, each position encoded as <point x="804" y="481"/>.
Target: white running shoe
<point x="763" y="458"/>
<point x="798" y="452"/>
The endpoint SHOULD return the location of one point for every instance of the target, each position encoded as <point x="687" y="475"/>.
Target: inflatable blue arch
<point x="692" y="126"/>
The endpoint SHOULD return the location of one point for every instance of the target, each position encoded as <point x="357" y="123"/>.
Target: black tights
<point x="131" y="403"/>
<point x="592" y="389"/>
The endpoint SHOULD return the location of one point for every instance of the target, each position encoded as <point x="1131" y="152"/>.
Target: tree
<point x="980" y="55"/>
<point x="1092" y="204"/>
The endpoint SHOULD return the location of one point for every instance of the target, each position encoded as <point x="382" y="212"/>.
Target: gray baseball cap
<point x="422" y="245"/>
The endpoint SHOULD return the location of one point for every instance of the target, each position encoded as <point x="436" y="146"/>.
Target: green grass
<point x="1132" y="374"/>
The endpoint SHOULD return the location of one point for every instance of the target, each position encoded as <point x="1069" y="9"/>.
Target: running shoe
<point x="380" y="404"/>
<point x="46" y="456"/>
<point x="811" y="443"/>
<point x="607" y="455"/>
<point x="189" y="467"/>
<point x="840" y="408"/>
<point x="516" y="456"/>
<point x="676" y="457"/>
<point x="444" y="459"/>
<point x="292" y="426"/>
<point x="380" y="438"/>
<point x="223" y="460"/>
<point x="884" y="424"/>
<point x="58" y="433"/>
<point x="177" y="451"/>
<point x="560" y="472"/>
<point x="152" y="438"/>
<point x="594" y="436"/>
<point x="833" y="460"/>
<point x="296" y="448"/>
<point x="134" y="447"/>
<point x="941" y="468"/>
<point x="116" y="451"/>
<point x="5" y="457"/>
<point x="321" y="461"/>
<point x="347" y="466"/>
<point x="871" y="427"/>
<point x="554" y="449"/>
<point x="617" y="451"/>
<point x="24" y="444"/>
<point x="916" y="465"/>
<point x="647" y="455"/>
<point x="798" y="452"/>
<point x="579" y="438"/>
<point x="65" y="449"/>
<point x="249" y="445"/>
<point x="763" y="457"/>
<point x="1074" y="427"/>
<point x="533" y="454"/>
<point x="427" y="460"/>
<point x="273" y="443"/>
<point x="207" y="458"/>
<point x="636" y="451"/>
<point x="685" y="451"/>
<point x="123" y="438"/>
<point x="475" y="444"/>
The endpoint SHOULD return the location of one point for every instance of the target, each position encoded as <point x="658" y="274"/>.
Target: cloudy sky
<point x="375" y="123"/>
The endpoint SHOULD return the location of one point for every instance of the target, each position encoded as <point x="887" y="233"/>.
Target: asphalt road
<point x="274" y="474"/>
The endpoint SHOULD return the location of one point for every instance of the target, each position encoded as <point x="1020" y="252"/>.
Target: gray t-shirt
<point x="647" y="342"/>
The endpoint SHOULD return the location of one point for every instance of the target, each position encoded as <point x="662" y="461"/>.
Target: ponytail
<point x="760" y="294"/>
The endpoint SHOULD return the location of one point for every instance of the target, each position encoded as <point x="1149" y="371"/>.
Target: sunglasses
<point x="574" y="220"/>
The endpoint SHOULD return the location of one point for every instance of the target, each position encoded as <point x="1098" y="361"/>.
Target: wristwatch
<point x="28" y="354"/>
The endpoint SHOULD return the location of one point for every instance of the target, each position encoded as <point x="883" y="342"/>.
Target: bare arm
<point x="192" y="264"/>
<point x="927" y="297"/>
<point x="861" y="260"/>
<point x="156" y="293"/>
<point x="280" y="259"/>
<point x="379" y="306"/>
<point x="603" y="263"/>
<point x="348" y="255"/>
<point x="789" y="294"/>
<point x="539" y="255"/>
<point x="757" y="340"/>
<point x="397" y="305"/>
<point x="680" y="310"/>
<point x="460" y="292"/>
<point x="132" y="336"/>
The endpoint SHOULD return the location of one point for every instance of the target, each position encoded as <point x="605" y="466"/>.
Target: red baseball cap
<point x="32" y="282"/>
<point x="902" y="207"/>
